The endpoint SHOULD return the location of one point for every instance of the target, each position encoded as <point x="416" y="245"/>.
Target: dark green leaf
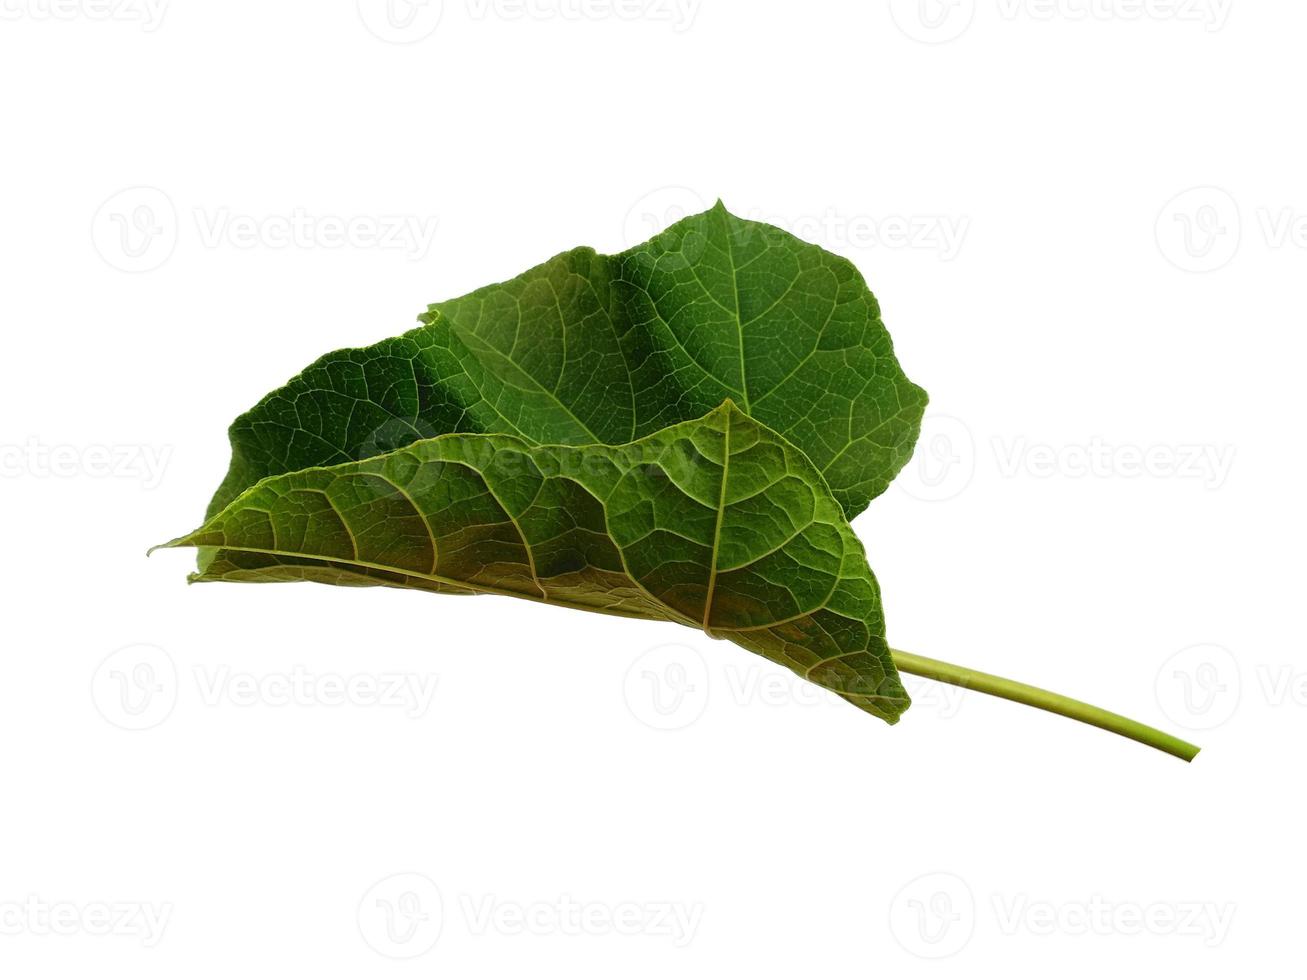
<point x="590" y="348"/>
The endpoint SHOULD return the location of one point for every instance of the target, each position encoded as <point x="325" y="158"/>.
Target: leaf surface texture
<point x="718" y="523"/>
<point x="589" y="348"/>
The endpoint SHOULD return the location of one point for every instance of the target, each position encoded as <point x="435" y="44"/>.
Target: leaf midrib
<point x="717" y="528"/>
<point x="739" y="319"/>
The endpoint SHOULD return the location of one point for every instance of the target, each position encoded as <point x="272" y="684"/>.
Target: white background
<point x="1106" y="501"/>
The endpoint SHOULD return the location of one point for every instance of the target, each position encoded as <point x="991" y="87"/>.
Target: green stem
<point x="1037" y="698"/>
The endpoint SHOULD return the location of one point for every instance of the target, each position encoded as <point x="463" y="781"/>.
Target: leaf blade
<point x="588" y="348"/>
<point x="642" y="529"/>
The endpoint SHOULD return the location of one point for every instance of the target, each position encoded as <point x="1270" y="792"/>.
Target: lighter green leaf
<point x="718" y="523"/>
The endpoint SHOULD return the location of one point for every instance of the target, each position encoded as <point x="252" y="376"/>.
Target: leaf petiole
<point x="1036" y="697"/>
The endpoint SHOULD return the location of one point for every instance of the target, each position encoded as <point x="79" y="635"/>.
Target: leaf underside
<point x="717" y="523"/>
<point x="680" y="432"/>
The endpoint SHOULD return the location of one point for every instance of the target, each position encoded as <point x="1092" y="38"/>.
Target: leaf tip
<point x="728" y="411"/>
<point x="183" y="542"/>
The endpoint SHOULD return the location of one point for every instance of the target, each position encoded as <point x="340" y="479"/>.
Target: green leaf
<point x="591" y="348"/>
<point x="717" y="523"/>
<point x="541" y="438"/>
